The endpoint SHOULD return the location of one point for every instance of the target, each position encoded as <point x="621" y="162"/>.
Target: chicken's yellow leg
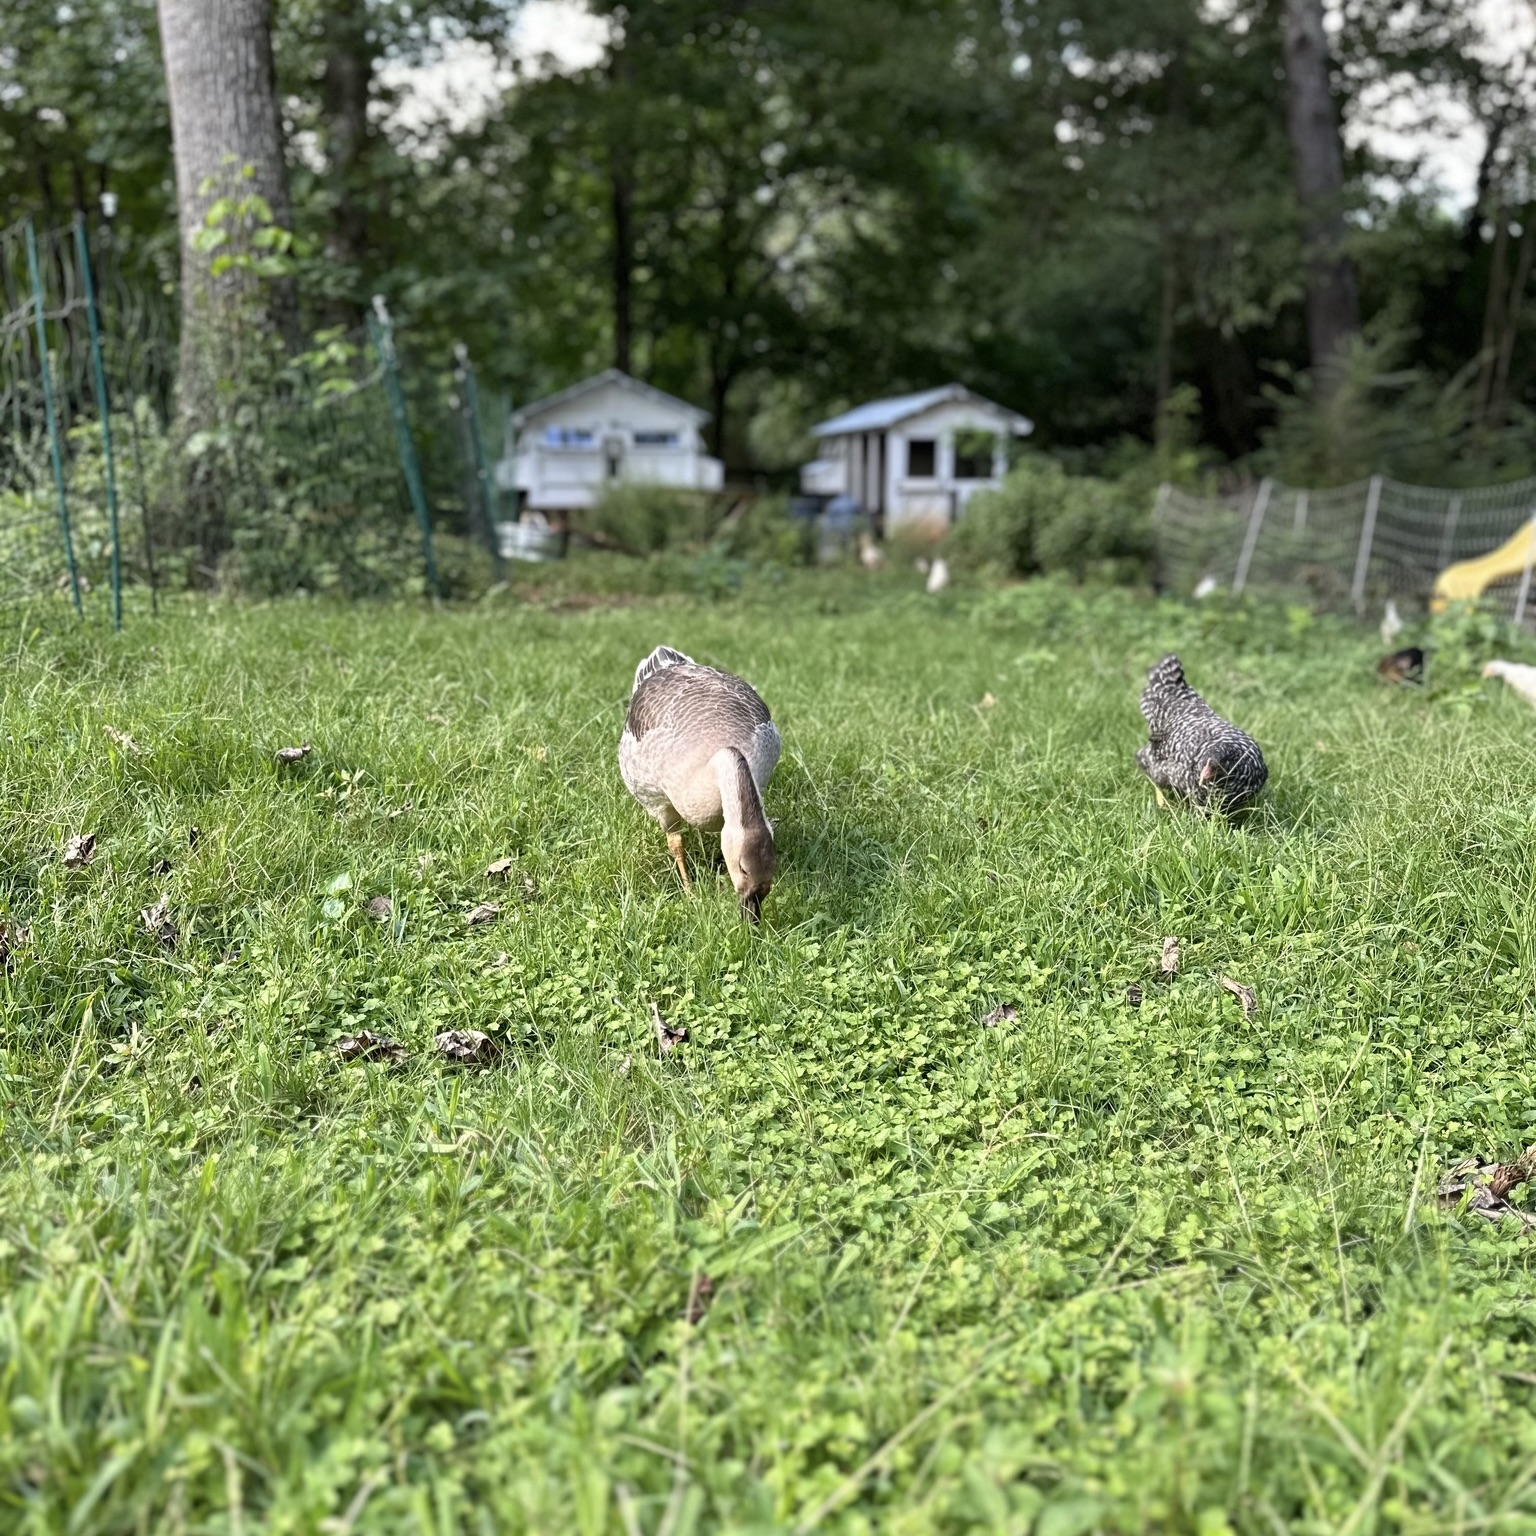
<point x="675" y="846"/>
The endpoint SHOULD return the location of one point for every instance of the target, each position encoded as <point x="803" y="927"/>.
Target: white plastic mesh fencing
<point x="1348" y="546"/>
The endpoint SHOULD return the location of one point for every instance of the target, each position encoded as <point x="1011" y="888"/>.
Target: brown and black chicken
<point x="1404" y="666"/>
<point x="1192" y="751"/>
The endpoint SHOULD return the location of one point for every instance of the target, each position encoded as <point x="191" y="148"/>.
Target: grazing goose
<point x="697" y="749"/>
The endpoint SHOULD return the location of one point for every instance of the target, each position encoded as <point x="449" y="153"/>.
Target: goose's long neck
<point x="740" y="804"/>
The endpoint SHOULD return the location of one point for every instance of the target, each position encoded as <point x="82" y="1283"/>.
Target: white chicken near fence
<point x="1391" y="624"/>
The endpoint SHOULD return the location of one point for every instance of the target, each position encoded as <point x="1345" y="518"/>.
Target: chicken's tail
<point x="659" y="659"/>
<point x="1168" y="673"/>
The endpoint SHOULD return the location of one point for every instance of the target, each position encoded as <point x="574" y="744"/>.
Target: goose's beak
<point x="752" y="907"/>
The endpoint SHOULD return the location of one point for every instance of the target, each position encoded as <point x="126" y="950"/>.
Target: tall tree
<point x="345" y="85"/>
<point x="1312" y="120"/>
<point x="228" y="151"/>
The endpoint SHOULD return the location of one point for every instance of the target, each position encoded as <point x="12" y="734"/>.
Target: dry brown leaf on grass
<point x="464" y="1045"/>
<point x="80" y="850"/>
<point x="700" y="1294"/>
<point x="367" y="1046"/>
<point x="123" y="741"/>
<point x="501" y="962"/>
<point x="530" y="888"/>
<point x="293" y="754"/>
<point x="667" y="1038"/>
<point x="1004" y="1013"/>
<point x="486" y="912"/>
<point x="1170" y="956"/>
<point x="159" y="922"/>
<point x="13" y="936"/>
<point x="1244" y="995"/>
<point x="500" y="869"/>
<point x="381" y="909"/>
<point x="437" y="720"/>
<point x="1482" y="1189"/>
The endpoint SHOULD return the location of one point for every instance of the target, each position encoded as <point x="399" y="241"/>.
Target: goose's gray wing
<point x="713" y="709"/>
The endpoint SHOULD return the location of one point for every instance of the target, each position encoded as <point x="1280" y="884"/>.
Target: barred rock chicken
<point x="1194" y="752"/>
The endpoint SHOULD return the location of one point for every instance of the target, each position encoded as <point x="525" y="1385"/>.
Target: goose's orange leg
<point x="675" y="847"/>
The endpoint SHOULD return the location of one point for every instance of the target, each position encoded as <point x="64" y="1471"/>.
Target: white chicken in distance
<point x="1518" y="675"/>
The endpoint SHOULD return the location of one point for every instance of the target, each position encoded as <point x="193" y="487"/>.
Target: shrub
<point x="645" y="519"/>
<point x="1466" y="636"/>
<point x="763" y="532"/>
<point x="1041" y="520"/>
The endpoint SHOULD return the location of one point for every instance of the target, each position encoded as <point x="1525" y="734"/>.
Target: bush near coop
<point x="1042" y="520"/>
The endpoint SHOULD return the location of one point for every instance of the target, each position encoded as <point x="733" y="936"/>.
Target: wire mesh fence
<point x="40" y="394"/>
<point x="1351" y="546"/>
<point x="332" y="467"/>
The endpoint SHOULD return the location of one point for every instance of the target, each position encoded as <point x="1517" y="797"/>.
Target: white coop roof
<point x="619" y="379"/>
<point x="877" y="415"/>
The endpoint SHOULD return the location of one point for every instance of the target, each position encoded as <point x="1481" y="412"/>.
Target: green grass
<point x="1095" y="1268"/>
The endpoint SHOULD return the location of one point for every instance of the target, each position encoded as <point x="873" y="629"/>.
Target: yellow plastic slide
<point x="1471" y="578"/>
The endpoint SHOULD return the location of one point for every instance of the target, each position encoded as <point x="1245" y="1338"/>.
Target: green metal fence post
<point x="54" y="448"/>
<point x="98" y="368"/>
<point x="138" y="480"/>
<point x="383" y="336"/>
<point x="477" y="446"/>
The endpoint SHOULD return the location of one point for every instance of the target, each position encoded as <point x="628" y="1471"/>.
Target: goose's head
<point x="749" y="856"/>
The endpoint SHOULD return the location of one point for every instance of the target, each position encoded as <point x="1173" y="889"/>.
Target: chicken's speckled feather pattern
<point x="1187" y="735"/>
<point x="680" y="716"/>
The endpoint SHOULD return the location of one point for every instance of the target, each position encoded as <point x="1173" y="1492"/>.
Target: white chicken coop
<point x="914" y="459"/>
<point x="565" y="448"/>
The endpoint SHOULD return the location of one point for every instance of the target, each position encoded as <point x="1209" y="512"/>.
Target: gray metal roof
<point x="877" y="415"/>
<point x="597" y="381"/>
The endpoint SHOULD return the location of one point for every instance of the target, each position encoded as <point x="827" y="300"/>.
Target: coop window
<point x="973" y="455"/>
<point x="567" y="437"/>
<point x="655" y="439"/>
<point x="922" y="458"/>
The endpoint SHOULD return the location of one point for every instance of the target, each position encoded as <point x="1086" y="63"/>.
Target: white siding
<point x="904" y="498"/>
<point x="595" y="433"/>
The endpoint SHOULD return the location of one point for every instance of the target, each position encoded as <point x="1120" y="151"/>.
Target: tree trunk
<point x="623" y="198"/>
<point x="1167" y="307"/>
<point x="1498" y="402"/>
<point x="228" y="142"/>
<point x="1168" y="296"/>
<point x="1493" y="309"/>
<point x="344" y="93"/>
<point x="720" y="382"/>
<point x="1333" y="307"/>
